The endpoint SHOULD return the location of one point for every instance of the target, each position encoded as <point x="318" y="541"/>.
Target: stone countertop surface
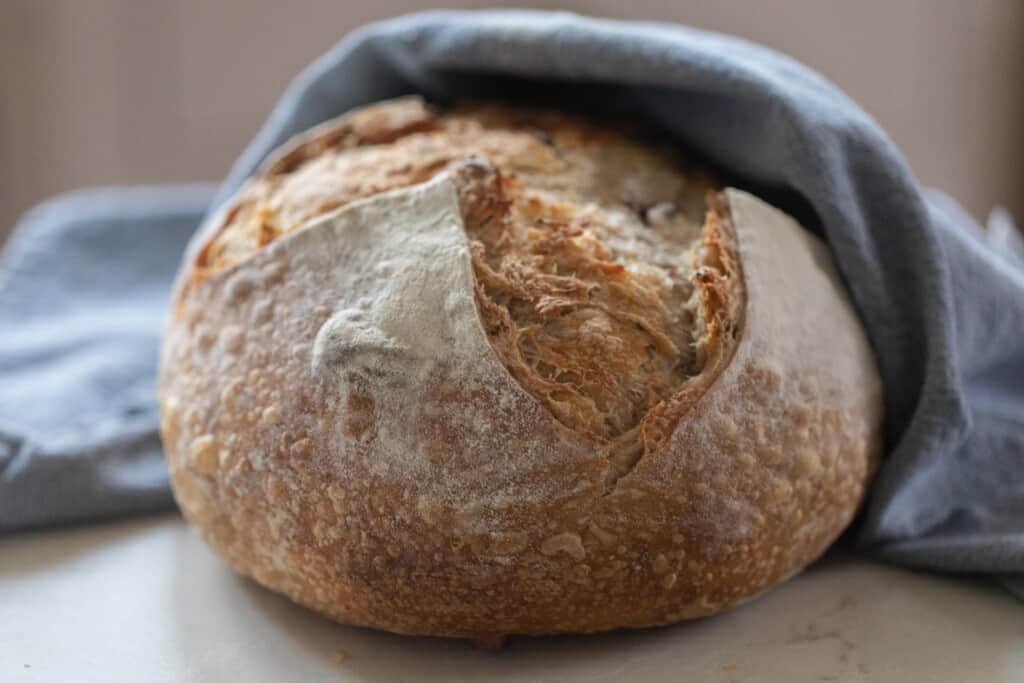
<point x="147" y="601"/>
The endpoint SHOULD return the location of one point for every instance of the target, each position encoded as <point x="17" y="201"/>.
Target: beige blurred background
<point x="141" y="91"/>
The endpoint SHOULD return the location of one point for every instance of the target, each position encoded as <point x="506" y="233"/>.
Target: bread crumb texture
<point x="489" y="370"/>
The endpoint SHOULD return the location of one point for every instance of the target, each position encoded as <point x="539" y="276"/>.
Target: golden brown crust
<point x="507" y="517"/>
<point x="581" y="243"/>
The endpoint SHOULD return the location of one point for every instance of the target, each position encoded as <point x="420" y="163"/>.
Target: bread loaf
<point x="486" y="370"/>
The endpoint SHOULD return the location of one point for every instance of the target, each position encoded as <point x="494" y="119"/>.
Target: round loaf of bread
<point x="484" y="370"/>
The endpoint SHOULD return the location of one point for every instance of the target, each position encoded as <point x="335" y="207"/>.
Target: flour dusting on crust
<point x="341" y="425"/>
<point x="404" y="321"/>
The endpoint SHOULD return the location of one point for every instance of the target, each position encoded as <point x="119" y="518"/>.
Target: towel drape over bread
<point x="85" y="280"/>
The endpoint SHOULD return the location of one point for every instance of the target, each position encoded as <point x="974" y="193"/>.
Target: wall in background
<point x="119" y="91"/>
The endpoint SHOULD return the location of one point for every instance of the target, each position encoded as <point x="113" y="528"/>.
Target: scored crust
<point x="493" y="467"/>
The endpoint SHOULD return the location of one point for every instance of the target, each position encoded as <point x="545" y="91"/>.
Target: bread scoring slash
<point x="489" y="370"/>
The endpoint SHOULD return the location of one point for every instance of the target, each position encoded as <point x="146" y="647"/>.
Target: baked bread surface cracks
<point x="427" y="355"/>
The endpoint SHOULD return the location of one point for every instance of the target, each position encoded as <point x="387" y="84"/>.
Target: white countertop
<point x="146" y="601"/>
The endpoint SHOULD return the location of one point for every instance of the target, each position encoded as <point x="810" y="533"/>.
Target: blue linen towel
<point x="85" y="280"/>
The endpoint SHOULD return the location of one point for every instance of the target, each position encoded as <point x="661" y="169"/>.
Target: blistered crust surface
<point x="280" y="413"/>
<point x="581" y="241"/>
